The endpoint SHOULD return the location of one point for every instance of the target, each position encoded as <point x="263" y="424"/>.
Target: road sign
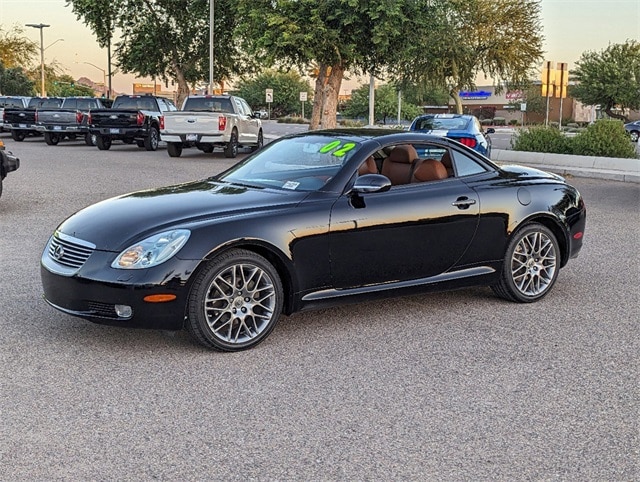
<point x="303" y="96"/>
<point x="269" y="95"/>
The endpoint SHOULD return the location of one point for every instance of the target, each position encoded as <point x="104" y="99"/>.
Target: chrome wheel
<point x="236" y="301"/>
<point x="533" y="264"/>
<point x="240" y="303"/>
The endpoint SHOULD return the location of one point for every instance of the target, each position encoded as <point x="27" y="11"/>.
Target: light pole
<point x="211" y="18"/>
<point x="104" y="77"/>
<point x="41" y="26"/>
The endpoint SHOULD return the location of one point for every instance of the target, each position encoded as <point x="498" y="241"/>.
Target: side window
<point x="239" y="106"/>
<point x="162" y="105"/>
<point x="247" y="109"/>
<point x="465" y="166"/>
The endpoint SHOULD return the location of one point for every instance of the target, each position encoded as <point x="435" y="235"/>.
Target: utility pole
<point x="41" y="26"/>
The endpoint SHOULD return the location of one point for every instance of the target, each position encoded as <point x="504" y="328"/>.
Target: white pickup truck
<point x="210" y="121"/>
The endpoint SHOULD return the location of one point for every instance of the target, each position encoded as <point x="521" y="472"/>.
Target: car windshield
<point x="448" y="123"/>
<point x="299" y="163"/>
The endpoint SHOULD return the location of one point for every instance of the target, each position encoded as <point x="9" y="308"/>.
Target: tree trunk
<point x="331" y="93"/>
<point x="183" y="86"/>
<point x="610" y="113"/>
<point x="318" y="97"/>
<point x="455" y="95"/>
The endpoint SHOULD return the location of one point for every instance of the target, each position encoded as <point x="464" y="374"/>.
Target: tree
<point x="286" y="92"/>
<point x="610" y="78"/>
<point x="14" y="81"/>
<point x="385" y="104"/>
<point x="101" y="16"/>
<point x="169" y="39"/>
<point x="15" y="49"/>
<point x="333" y="36"/>
<point x="459" y="39"/>
<point x="65" y="86"/>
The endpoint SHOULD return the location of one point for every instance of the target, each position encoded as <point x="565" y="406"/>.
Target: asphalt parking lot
<point x="454" y="386"/>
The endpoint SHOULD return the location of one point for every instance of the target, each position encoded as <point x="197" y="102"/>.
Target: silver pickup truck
<point x="70" y="120"/>
<point x="210" y="121"/>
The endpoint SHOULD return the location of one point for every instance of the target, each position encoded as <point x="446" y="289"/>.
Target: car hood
<point x="117" y="222"/>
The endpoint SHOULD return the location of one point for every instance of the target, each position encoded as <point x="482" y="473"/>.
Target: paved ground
<point x="454" y="386"/>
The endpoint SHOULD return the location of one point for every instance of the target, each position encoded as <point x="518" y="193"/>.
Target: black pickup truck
<point x="22" y="122"/>
<point x="70" y="120"/>
<point x="8" y="163"/>
<point x="132" y="118"/>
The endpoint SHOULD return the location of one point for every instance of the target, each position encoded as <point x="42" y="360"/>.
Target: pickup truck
<point x="70" y="120"/>
<point x="8" y="163"/>
<point x="132" y="118"/>
<point x="11" y="102"/>
<point x="22" y="122"/>
<point x="209" y="121"/>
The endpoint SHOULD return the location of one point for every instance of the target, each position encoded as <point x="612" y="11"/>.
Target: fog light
<point x="124" y="311"/>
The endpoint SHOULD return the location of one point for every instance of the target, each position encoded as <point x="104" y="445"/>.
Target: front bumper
<point x="93" y="291"/>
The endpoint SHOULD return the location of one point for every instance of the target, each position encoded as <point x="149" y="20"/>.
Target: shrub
<point x="292" y="120"/>
<point x="513" y="122"/>
<point x="351" y="123"/>
<point x="542" y="139"/>
<point x="486" y="122"/>
<point x="606" y="138"/>
<point x="499" y="121"/>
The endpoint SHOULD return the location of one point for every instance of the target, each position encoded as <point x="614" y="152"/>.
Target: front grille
<point x="69" y="251"/>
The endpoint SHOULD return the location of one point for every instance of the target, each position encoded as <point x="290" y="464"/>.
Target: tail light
<point x="222" y="123"/>
<point x="468" y="141"/>
<point x="79" y="117"/>
<point x="140" y="118"/>
<point x="89" y="120"/>
<point x="35" y="117"/>
<point x="161" y="122"/>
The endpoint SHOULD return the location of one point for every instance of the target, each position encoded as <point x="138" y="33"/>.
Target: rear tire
<point x="634" y="136"/>
<point x="174" y="149"/>
<point x="235" y="301"/>
<point x="17" y="136"/>
<point x="103" y="142"/>
<point x="260" y="142"/>
<point x="531" y="265"/>
<point x="90" y="139"/>
<point x="231" y="149"/>
<point x="151" y="141"/>
<point x="51" y="139"/>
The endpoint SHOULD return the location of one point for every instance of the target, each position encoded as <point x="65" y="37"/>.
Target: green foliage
<point x="292" y="120"/>
<point x="542" y="139"/>
<point x="606" y="138"/>
<point x="65" y="86"/>
<point x="14" y="81"/>
<point x="16" y="50"/>
<point x="386" y="104"/>
<point x="452" y="41"/>
<point x="610" y="78"/>
<point x="286" y="92"/>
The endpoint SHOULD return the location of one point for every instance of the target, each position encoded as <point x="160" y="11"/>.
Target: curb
<point x="614" y="169"/>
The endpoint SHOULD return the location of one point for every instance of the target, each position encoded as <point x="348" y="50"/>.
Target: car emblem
<point x="113" y="116"/>
<point x="55" y="116"/>
<point x="58" y="252"/>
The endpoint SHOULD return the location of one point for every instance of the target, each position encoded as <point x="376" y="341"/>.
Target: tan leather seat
<point x="446" y="162"/>
<point x="399" y="165"/>
<point x="430" y="170"/>
<point x="368" y="167"/>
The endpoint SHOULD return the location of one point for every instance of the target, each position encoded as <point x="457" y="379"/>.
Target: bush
<point x="542" y="139"/>
<point x="292" y="120"/>
<point x="606" y="138"/>
<point x="351" y="123"/>
<point x="513" y="122"/>
<point x="486" y="122"/>
<point x="499" y="121"/>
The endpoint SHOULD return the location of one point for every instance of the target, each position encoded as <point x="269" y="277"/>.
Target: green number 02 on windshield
<point x="343" y="148"/>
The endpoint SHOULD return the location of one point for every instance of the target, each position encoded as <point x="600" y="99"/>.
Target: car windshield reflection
<point x="299" y="163"/>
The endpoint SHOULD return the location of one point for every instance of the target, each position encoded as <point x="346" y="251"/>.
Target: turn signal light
<point x="159" y="298"/>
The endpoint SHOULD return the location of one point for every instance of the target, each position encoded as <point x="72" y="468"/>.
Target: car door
<point x="410" y="232"/>
<point x="248" y="126"/>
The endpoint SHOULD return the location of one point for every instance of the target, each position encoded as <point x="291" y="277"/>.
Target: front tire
<point x="634" y="136"/>
<point x="103" y="142"/>
<point x="235" y="301"/>
<point x="260" y="142"/>
<point x="531" y="265"/>
<point x="231" y="149"/>
<point x="90" y="139"/>
<point x="174" y="149"/>
<point x="151" y="141"/>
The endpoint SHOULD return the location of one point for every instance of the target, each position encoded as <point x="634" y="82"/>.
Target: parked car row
<point x="205" y="122"/>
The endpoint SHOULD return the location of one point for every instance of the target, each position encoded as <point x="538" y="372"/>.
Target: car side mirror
<point x="491" y="130"/>
<point x="369" y="183"/>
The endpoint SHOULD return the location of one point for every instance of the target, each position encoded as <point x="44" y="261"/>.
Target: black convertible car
<point x="313" y="220"/>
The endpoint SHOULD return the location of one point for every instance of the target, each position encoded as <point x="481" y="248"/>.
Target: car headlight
<point x="152" y="251"/>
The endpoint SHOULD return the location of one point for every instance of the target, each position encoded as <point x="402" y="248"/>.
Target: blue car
<point x="633" y="128"/>
<point x="463" y="128"/>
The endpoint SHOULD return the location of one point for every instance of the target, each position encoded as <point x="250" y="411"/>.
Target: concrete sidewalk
<point x="626" y="170"/>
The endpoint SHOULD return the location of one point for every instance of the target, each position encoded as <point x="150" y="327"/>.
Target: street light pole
<point x="211" y="18"/>
<point x="104" y="78"/>
<point x="41" y="26"/>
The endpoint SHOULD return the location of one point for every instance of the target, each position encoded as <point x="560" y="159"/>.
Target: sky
<point x="570" y="27"/>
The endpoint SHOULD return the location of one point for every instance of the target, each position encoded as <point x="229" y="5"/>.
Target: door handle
<point x="463" y="202"/>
